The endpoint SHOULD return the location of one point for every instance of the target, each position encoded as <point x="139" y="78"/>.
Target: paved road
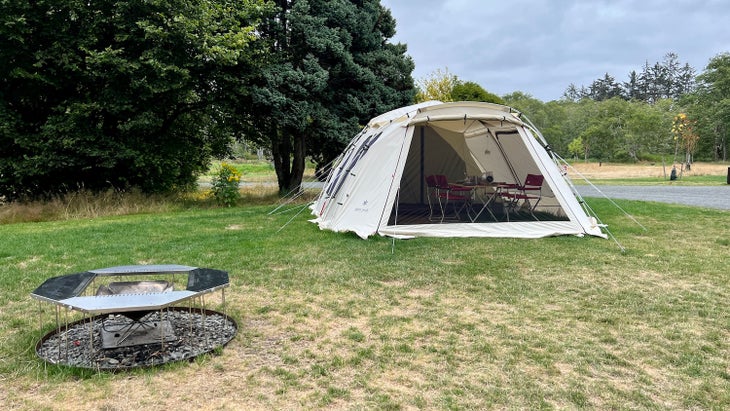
<point x="700" y="196"/>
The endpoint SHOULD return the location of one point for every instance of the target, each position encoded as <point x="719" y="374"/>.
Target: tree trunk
<point x="297" y="164"/>
<point x="289" y="160"/>
<point x="280" y="152"/>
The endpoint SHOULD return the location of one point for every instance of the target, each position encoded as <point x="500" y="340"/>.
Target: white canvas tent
<point x="380" y="177"/>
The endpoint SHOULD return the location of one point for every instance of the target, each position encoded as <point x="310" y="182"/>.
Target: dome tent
<point x="379" y="181"/>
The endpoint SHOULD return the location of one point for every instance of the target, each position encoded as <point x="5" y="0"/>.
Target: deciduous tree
<point x="107" y="94"/>
<point x="471" y="91"/>
<point x="710" y="106"/>
<point x="437" y="85"/>
<point x="685" y="136"/>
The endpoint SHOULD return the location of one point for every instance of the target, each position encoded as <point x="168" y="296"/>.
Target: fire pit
<point x="134" y="323"/>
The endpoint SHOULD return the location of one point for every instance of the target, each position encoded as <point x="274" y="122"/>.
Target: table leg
<point x="486" y="204"/>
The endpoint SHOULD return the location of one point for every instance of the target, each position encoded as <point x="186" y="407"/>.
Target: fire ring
<point x="132" y="316"/>
<point x="81" y="343"/>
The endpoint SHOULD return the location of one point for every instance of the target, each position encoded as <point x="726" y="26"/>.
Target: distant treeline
<point x="665" y="112"/>
<point x="666" y="79"/>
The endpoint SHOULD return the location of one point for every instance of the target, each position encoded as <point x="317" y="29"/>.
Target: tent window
<point x="348" y="163"/>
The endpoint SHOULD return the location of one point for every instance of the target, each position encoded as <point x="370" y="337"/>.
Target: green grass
<point x="252" y="170"/>
<point x="330" y="320"/>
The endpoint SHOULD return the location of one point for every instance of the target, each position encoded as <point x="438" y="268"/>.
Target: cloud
<point x="540" y="47"/>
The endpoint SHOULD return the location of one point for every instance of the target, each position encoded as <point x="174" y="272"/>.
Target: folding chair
<point x="444" y="194"/>
<point x="526" y="193"/>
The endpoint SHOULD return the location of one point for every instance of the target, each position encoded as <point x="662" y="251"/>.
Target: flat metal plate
<point x="136" y="333"/>
<point x="65" y="286"/>
<point x="207" y="280"/>
<point x="143" y="269"/>
<point x="102" y="304"/>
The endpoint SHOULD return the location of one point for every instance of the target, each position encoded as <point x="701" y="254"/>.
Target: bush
<point x="225" y="185"/>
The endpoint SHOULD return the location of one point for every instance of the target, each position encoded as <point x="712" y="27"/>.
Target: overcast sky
<point x="539" y="47"/>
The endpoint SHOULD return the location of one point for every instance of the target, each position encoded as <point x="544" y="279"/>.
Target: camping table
<point x="487" y="199"/>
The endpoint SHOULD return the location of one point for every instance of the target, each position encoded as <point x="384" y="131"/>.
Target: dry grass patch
<point x="642" y="170"/>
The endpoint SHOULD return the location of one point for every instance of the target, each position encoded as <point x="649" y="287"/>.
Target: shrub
<point x="225" y="185"/>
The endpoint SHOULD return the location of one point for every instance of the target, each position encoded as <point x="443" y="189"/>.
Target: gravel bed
<point x="196" y="332"/>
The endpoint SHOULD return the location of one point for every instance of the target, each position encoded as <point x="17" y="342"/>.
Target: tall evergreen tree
<point x="572" y="93"/>
<point x="684" y="81"/>
<point x="665" y="79"/>
<point x="631" y="87"/>
<point x="330" y="68"/>
<point x="605" y="88"/>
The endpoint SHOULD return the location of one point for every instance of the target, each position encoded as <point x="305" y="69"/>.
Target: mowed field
<point x="330" y="321"/>
<point x="644" y="170"/>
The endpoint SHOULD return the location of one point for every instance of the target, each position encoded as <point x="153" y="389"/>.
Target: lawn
<point x="329" y="320"/>
<point x="252" y="170"/>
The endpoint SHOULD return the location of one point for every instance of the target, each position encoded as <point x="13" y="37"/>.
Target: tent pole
<point x="423" y="159"/>
<point x="397" y="204"/>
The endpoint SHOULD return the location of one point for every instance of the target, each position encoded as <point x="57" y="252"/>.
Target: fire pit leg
<point x="162" y="333"/>
<point x="40" y="318"/>
<point x="91" y="334"/>
<point x="225" y="313"/>
<point x="190" y="319"/>
<point x="65" y="331"/>
<point x="202" y="316"/>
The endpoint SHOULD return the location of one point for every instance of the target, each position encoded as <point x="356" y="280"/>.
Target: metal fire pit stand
<point x="74" y="292"/>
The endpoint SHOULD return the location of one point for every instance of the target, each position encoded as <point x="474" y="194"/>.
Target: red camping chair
<point x="531" y="190"/>
<point x="443" y="194"/>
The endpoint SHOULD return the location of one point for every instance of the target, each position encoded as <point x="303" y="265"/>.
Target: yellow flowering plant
<point x="684" y="135"/>
<point x="225" y="185"/>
